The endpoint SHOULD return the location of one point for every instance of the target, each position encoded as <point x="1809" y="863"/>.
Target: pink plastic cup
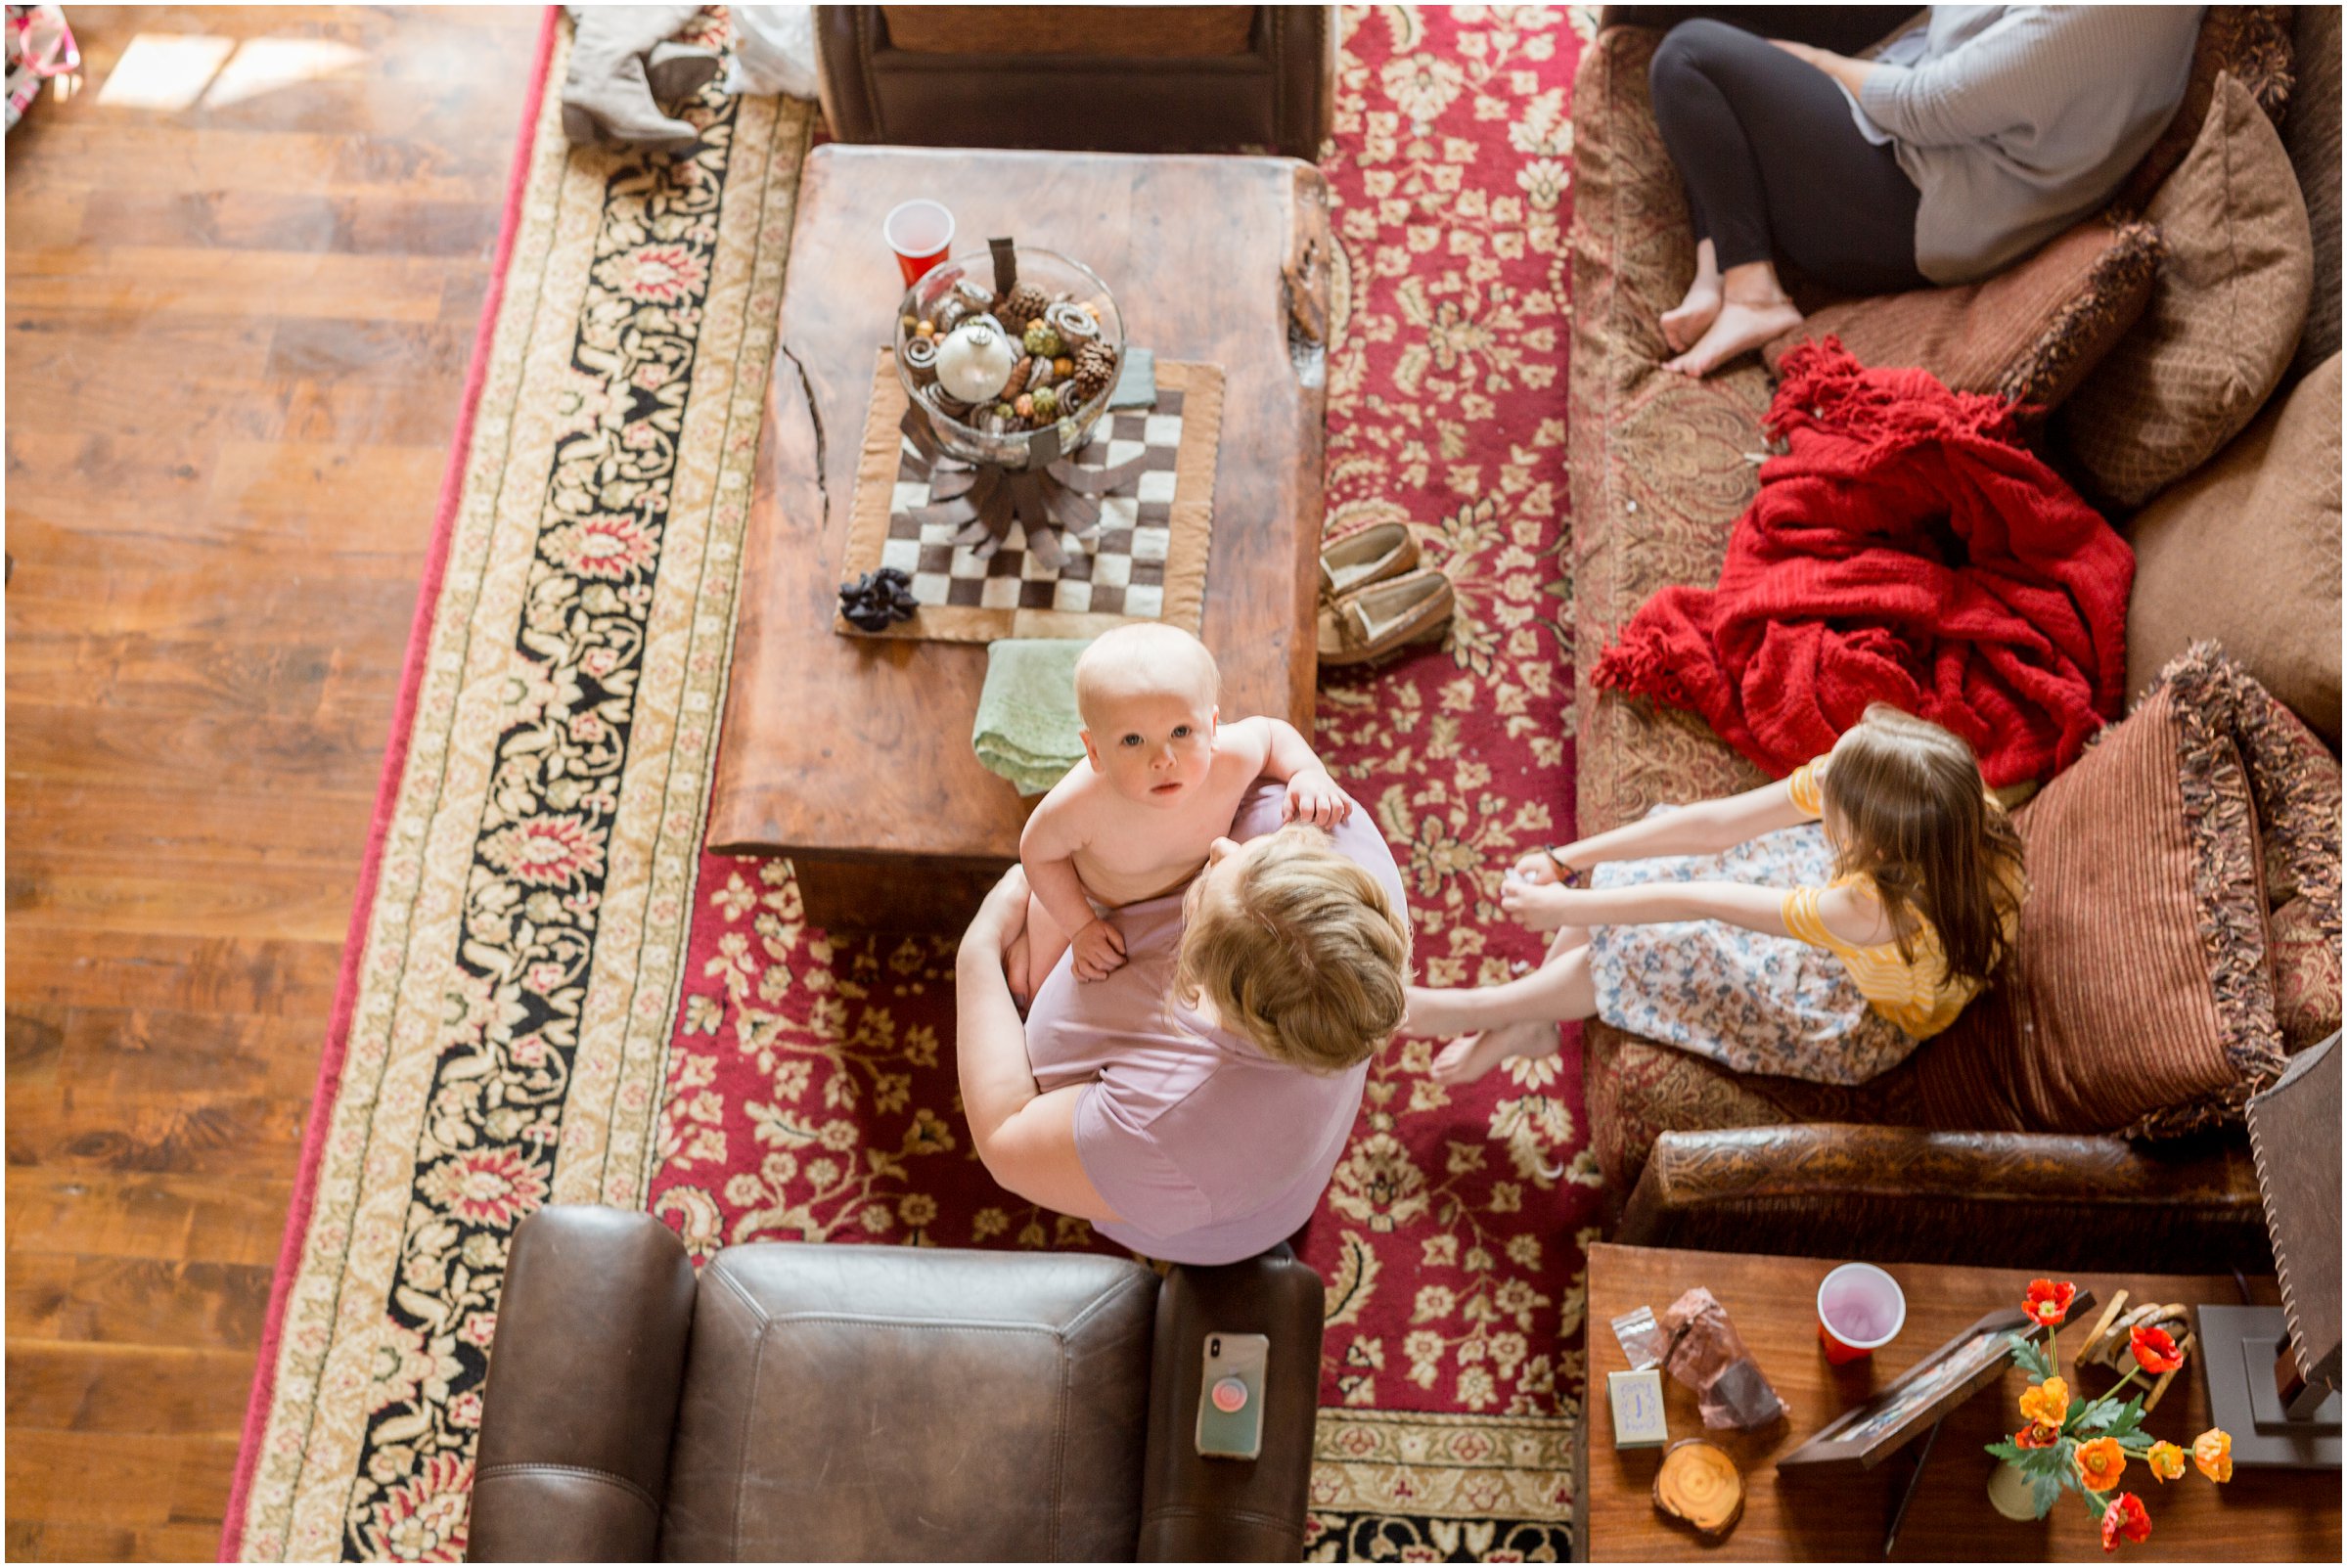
<point x="921" y="233"/>
<point x="1860" y="1310"/>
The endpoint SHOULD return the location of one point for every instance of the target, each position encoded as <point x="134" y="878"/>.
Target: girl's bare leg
<point x="1689" y="320"/>
<point x="1567" y="938"/>
<point x="1559" y="991"/>
<point x="1755" y="308"/>
<point x="1470" y="1056"/>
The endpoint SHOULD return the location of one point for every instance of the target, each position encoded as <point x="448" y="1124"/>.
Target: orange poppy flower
<point x="2124" y="1520"/>
<point x="2212" y="1450"/>
<point x="2034" y="1436"/>
<point x="2046" y="1403"/>
<point x="2166" y="1461"/>
<point x="2155" y="1350"/>
<point x="2048" y="1303"/>
<point x="2100" y="1464"/>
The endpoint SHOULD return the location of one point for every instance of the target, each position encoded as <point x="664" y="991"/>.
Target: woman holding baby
<point x="1243" y="943"/>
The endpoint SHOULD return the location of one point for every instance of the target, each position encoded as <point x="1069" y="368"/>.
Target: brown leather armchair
<point x="864" y="1403"/>
<point x="1098" y="78"/>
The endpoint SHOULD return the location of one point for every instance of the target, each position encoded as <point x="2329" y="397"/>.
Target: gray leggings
<point x="1775" y="170"/>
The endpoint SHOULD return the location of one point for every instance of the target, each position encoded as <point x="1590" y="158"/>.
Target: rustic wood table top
<point x="859" y="751"/>
<point x="2260" y="1515"/>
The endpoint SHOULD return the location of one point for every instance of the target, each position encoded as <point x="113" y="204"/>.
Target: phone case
<point x="1234" y="1434"/>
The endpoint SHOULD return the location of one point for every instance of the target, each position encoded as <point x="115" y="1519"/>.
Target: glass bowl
<point x="964" y="285"/>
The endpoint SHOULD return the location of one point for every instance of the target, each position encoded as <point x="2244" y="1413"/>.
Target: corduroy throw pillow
<point x="2246" y="551"/>
<point x="2029" y="335"/>
<point x="2224" y="318"/>
<point x="2144" y="1002"/>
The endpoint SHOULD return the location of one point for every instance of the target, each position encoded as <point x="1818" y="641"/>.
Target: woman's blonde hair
<point x="1913" y="813"/>
<point x="1303" y="953"/>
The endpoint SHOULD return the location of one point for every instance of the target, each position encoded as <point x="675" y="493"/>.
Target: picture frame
<point x="1867" y="1433"/>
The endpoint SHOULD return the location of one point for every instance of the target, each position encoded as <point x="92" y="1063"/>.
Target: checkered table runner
<point x="1144" y="560"/>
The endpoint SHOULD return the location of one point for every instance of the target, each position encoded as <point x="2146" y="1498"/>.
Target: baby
<point x="1161" y="781"/>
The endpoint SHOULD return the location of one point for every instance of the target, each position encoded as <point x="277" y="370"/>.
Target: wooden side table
<point x="2260" y="1515"/>
<point x="853" y="758"/>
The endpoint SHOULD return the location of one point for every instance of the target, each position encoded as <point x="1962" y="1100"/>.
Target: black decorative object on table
<point x="877" y="600"/>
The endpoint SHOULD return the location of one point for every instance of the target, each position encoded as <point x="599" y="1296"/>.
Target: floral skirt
<point x="1750" y="1002"/>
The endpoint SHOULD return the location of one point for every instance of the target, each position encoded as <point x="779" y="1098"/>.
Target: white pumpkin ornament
<point x="976" y="360"/>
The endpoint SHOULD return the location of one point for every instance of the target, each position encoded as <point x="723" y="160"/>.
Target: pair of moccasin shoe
<point x="1374" y="597"/>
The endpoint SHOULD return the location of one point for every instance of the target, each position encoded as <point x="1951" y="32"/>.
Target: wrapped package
<point x="1708" y="1356"/>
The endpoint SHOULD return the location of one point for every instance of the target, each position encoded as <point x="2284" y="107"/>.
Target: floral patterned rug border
<point x="513" y="995"/>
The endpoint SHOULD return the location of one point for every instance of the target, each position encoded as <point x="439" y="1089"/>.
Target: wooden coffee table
<point x="2260" y="1515"/>
<point x="854" y="758"/>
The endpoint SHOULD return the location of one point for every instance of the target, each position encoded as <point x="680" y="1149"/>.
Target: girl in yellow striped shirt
<point x="1816" y="927"/>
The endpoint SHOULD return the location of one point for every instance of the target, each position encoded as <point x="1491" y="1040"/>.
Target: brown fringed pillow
<point x="2298" y="804"/>
<point x="2144" y="1000"/>
<point x="2030" y="334"/>
<point x="2224" y="319"/>
<point x="2251" y="44"/>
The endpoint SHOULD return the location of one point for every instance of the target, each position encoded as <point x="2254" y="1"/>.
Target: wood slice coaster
<point x="1138" y="552"/>
<point x="1700" y="1484"/>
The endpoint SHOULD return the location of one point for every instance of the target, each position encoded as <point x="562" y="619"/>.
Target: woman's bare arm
<point x="1025" y="1139"/>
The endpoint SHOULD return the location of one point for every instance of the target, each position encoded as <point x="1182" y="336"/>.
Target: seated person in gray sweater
<point x="1970" y="140"/>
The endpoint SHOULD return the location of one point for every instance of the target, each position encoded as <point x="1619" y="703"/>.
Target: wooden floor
<point x="236" y="336"/>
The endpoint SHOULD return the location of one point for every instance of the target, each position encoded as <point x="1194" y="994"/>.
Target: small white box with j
<point x="1638" y="1420"/>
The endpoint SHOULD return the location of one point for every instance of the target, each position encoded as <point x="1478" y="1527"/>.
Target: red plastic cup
<point x="921" y="233"/>
<point x="1860" y="1310"/>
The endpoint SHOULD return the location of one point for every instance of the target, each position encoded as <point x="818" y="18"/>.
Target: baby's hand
<point x="1537" y="907"/>
<point x="1100" y="950"/>
<point x="1313" y="797"/>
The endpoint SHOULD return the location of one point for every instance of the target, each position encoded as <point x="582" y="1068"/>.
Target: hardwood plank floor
<point x="236" y="337"/>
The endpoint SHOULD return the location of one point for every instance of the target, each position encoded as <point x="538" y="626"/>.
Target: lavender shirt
<point x="1211" y="1150"/>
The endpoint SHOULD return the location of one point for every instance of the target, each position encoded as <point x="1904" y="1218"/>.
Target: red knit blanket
<point x="1905" y="548"/>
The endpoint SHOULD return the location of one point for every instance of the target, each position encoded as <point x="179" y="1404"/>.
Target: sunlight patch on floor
<point x="171" y="72"/>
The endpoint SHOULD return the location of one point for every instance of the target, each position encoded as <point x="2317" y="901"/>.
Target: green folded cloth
<point x="1027" y="725"/>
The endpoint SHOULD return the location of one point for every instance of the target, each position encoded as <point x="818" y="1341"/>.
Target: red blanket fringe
<point x="1905" y="548"/>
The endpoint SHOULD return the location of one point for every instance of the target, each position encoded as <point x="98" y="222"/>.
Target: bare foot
<point x="1469" y="1057"/>
<point x="1738" y="328"/>
<point x="1691" y="316"/>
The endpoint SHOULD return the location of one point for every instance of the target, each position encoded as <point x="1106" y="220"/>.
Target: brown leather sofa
<point x="1698" y="1157"/>
<point x="1100" y="78"/>
<point x="804" y="1402"/>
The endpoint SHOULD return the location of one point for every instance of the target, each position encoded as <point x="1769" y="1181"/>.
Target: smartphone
<point x="1230" y="1405"/>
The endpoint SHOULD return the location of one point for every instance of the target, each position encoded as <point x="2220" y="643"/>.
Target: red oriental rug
<point x="553" y="996"/>
<point x="811" y="1091"/>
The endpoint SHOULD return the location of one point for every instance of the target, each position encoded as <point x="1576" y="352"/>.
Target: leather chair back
<point x="806" y="1402"/>
<point x="853" y="1404"/>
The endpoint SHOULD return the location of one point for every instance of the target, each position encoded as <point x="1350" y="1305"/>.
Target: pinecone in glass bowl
<point x="1096" y="368"/>
<point x="1021" y="307"/>
<point x="994" y="431"/>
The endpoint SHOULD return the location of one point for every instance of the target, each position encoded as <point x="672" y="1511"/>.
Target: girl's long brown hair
<point x="1913" y="813"/>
